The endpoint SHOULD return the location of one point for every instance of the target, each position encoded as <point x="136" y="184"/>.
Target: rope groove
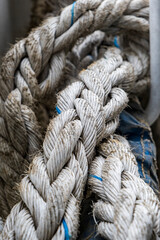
<point x="58" y="175"/>
<point x="88" y="111"/>
<point x="127" y="207"/>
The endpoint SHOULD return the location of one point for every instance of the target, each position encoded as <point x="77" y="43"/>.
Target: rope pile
<point x="50" y="194"/>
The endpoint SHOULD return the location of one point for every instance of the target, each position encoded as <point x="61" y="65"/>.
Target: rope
<point x="57" y="176"/>
<point x="33" y="67"/>
<point x="88" y="111"/>
<point x="53" y="188"/>
<point x="56" y="34"/>
<point x="127" y="207"/>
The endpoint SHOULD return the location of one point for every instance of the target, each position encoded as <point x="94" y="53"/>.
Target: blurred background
<point x="14" y="21"/>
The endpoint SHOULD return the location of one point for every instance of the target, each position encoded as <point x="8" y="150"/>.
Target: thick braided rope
<point x="84" y="52"/>
<point x="33" y="53"/>
<point x="20" y="107"/>
<point x="127" y="207"/>
<point x="18" y="137"/>
<point x="53" y="188"/>
<point x="109" y="79"/>
<point x="124" y="70"/>
<point x="43" y="8"/>
<point x="57" y="33"/>
<point x="24" y="83"/>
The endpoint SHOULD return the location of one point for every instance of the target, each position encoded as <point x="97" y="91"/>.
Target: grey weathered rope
<point x="53" y="35"/>
<point x="85" y="51"/>
<point x="58" y="174"/>
<point x="127" y="207"/>
<point x="27" y="61"/>
<point x="100" y="78"/>
<point x="26" y="119"/>
<point x="34" y="45"/>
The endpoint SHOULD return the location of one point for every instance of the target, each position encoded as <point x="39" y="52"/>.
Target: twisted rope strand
<point x="57" y="177"/>
<point x="30" y="73"/>
<point x="128" y="208"/>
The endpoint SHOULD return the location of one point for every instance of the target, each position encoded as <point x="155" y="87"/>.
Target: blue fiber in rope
<point x="94" y="176"/>
<point x="72" y="13"/>
<point x="58" y="110"/>
<point x="67" y="237"/>
<point x="90" y="56"/>
<point x="116" y="42"/>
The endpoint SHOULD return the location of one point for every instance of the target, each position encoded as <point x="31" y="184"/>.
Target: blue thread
<point x="58" y="110"/>
<point x="72" y="13"/>
<point x="67" y="237"/>
<point x="90" y="56"/>
<point x="94" y="176"/>
<point x="116" y="42"/>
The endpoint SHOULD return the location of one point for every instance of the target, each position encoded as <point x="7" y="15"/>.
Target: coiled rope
<point x="33" y="67"/>
<point x="53" y="188"/>
<point x="89" y="109"/>
<point x="49" y="177"/>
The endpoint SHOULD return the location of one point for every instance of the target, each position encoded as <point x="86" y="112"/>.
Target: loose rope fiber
<point x="53" y="188"/>
<point x="33" y="67"/>
<point x="88" y="110"/>
<point x="60" y="171"/>
<point x="43" y="8"/>
<point x="127" y="207"/>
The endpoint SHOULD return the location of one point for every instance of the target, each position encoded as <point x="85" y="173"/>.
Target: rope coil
<point x="88" y="109"/>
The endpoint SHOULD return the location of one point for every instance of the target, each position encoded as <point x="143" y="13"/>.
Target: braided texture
<point x="127" y="207"/>
<point x="54" y="186"/>
<point x="30" y="74"/>
<point x="32" y="69"/>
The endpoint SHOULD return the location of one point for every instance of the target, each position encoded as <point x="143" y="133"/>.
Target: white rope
<point x="52" y="191"/>
<point x="127" y="207"/>
<point x="31" y="70"/>
<point x="57" y="177"/>
<point x="23" y="98"/>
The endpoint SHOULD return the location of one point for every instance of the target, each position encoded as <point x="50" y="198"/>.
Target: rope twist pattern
<point x="127" y="207"/>
<point x="88" y="108"/>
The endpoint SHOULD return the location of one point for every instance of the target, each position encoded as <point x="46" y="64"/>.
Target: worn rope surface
<point x="127" y="207"/>
<point x="53" y="188"/>
<point x="31" y="70"/>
